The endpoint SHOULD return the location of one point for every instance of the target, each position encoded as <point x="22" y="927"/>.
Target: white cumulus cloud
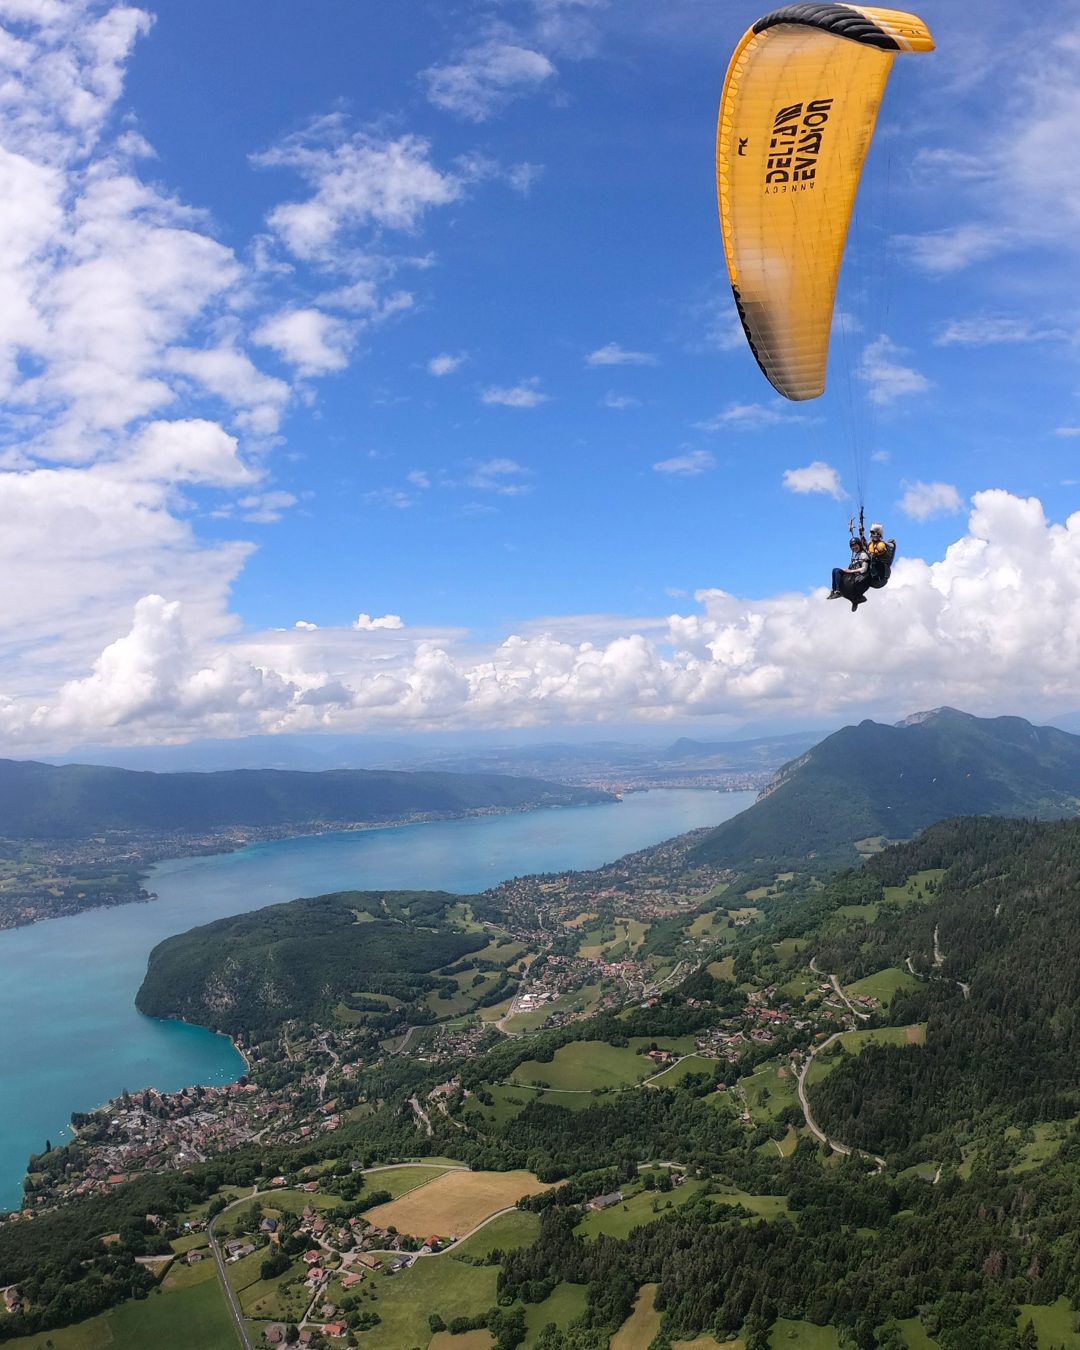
<point x="366" y="624"/>
<point x="314" y="342"/>
<point x="687" y="465"/>
<point x="816" y="477"/>
<point x="444" y="364"/>
<point x="498" y="475"/>
<point x="614" y="355"/>
<point x="357" y="180"/>
<point x="887" y="378"/>
<point x="523" y="395"/>
<point x="923" y="501"/>
<point x="485" y="78"/>
<point x="748" y="417"/>
<point x="986" y="330"/>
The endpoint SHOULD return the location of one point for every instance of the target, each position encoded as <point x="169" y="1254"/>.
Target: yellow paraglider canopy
<point x="797" y="115"/>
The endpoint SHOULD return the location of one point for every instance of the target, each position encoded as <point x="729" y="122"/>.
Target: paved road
<point x="230" y="1293"/>
<point x="812" y="1124"/>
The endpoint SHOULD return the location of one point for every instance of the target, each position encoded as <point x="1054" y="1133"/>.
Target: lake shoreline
<point x="242" y="837"/>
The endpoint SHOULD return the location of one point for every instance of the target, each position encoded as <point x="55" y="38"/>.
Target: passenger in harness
<point x="881" y="553"/>
<point x="851" y="583"/>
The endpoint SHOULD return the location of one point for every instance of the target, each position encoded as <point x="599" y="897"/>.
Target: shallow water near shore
<point x="70" y="1035"/>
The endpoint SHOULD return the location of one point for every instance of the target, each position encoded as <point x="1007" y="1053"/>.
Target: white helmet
<point x="877" y="528"/>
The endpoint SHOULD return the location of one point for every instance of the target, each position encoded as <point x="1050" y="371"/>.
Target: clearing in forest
<point x="454" y="1203"/>
<point x="883" y="985"/>
<point x="640" y="1328"/>
<point x="787" y="1335"/>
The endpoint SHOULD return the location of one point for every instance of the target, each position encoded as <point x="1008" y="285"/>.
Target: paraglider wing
<point x="797" y="115"/>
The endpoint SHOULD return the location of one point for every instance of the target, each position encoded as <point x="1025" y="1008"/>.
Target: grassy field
<point x="466" y="1340"/>
<point x="639" y="1329"/>
<point x="263" y="1298"/>
<point x="398" y="1180"/>
<point x="468" y="991"/>
<point x="787" y="1335"/>
<point x="189" y="1314"/>
<point x="583" y="1065"/>
<point x="566" y="1303"/>
<point x="618" y="1221"/>
<point x="915" y="1335"/>
<point x="1048" y="1139"/>
<point x="581" y="1000"/>
<point x="767" y="1093"/>
<point x="858" y="913"/>
<point x="723" y="970"/>
<point x="508" y="1231"/>
<point x="768" y="1206"/>
<point x="909" y="891"/>
<point x="511" y="1101"/>
<point x="883" y="985"/>
<point x="677" y="1072"/>
<point x="455" y="1203"/>
<point x="432" y="1285"/>
<point x="854" y="1042"/>
<point x="1054" y="1324"/>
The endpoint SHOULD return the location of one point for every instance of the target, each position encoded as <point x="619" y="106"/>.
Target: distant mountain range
<point x="873" y="782"/>
<point x="45" y="801"/>
<point x="611" y="764"/>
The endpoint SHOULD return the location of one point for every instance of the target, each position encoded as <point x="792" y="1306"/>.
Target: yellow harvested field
<point x="453" y="1204"/>
<point x="640" y="1328"/>
<point x="466" y="1340"/>
<point x="917" y="1034"/>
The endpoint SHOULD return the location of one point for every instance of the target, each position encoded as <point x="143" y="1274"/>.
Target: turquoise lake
<point x="71" y="1036"/>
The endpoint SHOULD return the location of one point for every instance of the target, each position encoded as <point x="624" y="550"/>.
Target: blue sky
<point x="449" y="275"/>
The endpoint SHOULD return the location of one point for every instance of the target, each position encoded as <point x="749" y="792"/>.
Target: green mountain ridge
<point x="300" y="958"/>
<point x="42" y="801"/>
<point x="873" y="781"/>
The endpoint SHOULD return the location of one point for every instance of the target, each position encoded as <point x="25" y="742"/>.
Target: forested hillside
<point x="252" y="972"/>
<point x="42" y="801"/>
<point x="871" y="780"/>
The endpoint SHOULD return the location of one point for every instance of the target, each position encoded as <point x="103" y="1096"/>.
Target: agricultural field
<point x="189" y="1312"/>
<point x="1055" y="1324"/>
<point x="581" y="1000"/>
<point x="883" y="985"/>
<point x="453" y="1204"/>
<point x="723" y="970"/>
<point x="639" y="1209"/>
<point x="640" y="1328"/>
<point x="677" y="1072"/>
<point x="433" y="1284"/>
<point x="584" y="1065"/>
<point x="404" y="1177"/>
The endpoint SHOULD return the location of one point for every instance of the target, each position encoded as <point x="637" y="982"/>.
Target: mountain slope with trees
<point x="871" y="781"/>
<point x="43" y="801"/>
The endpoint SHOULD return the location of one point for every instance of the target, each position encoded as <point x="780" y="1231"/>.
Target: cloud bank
<point x="991" y="627"/>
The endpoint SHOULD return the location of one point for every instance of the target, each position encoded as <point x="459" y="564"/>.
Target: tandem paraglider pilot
<point x="850" y="583"/>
